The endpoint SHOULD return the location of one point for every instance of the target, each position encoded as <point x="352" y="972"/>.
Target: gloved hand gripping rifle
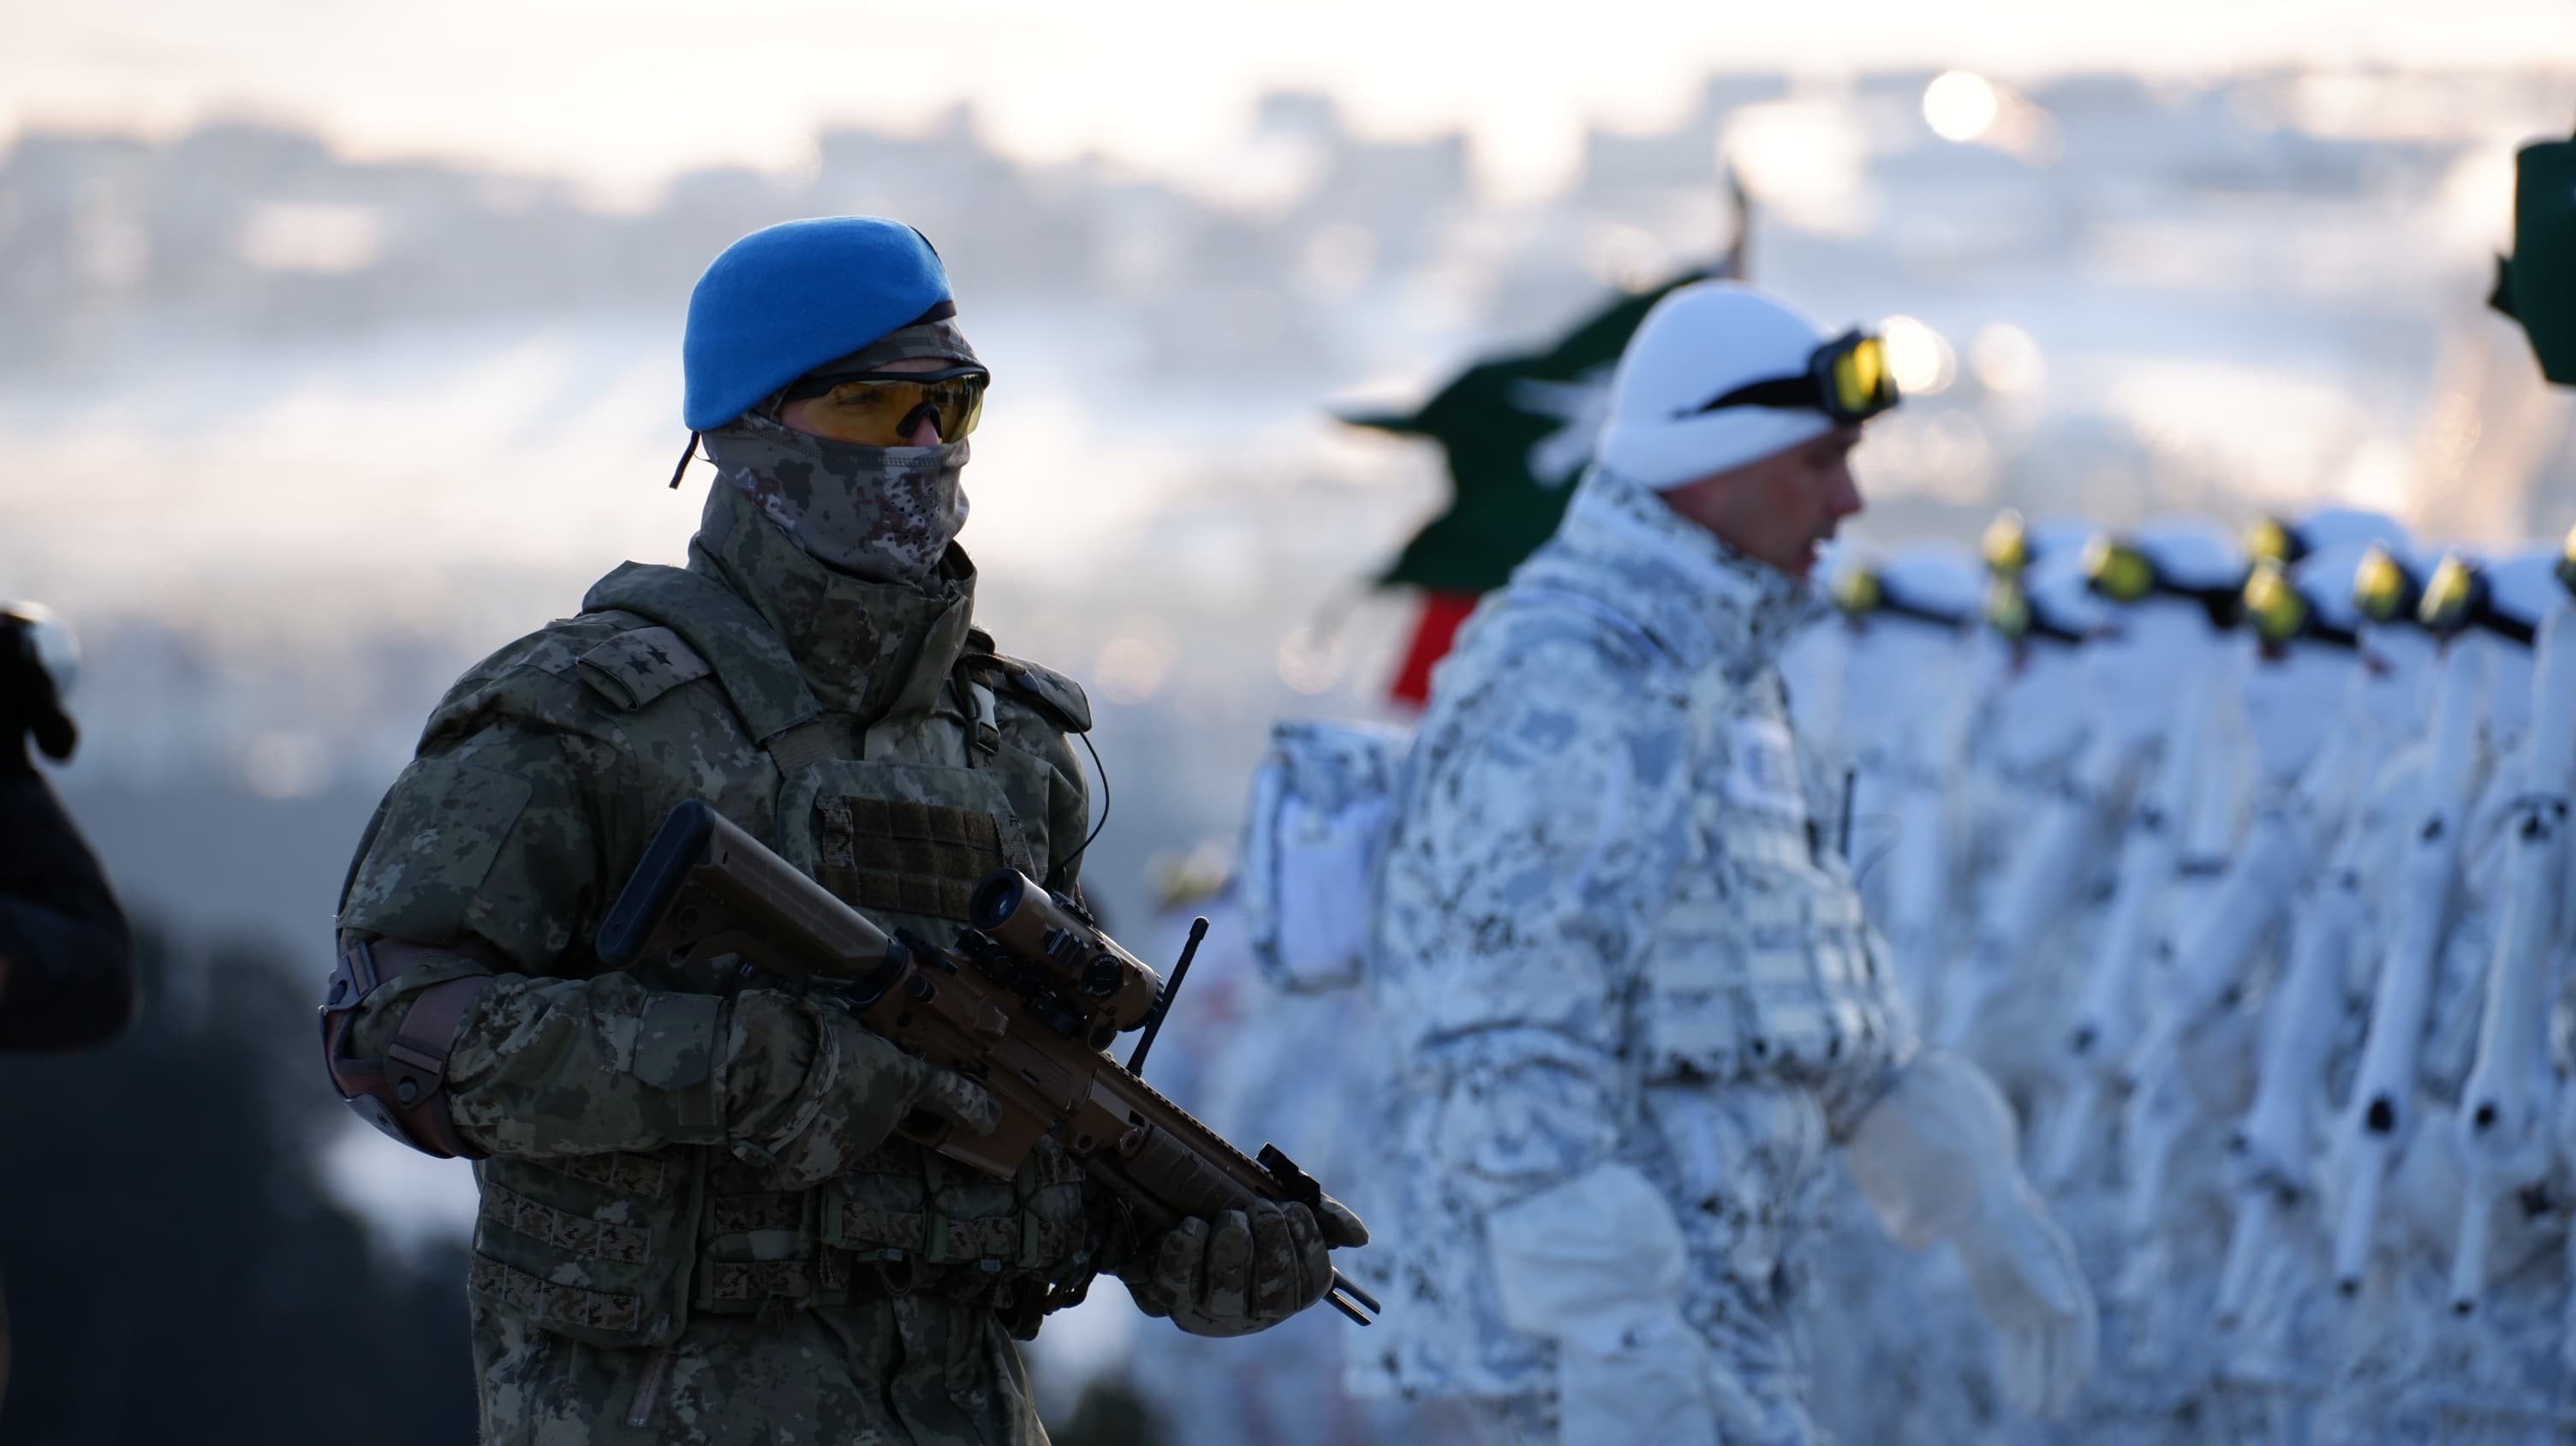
<point x="1025" y="1004"/>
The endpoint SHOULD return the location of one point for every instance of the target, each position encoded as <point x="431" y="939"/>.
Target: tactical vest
<point x="899" y="818"/>
<point x="1764" y="964"/>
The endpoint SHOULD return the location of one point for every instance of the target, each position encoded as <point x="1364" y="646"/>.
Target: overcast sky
<point x="623" y="92"/>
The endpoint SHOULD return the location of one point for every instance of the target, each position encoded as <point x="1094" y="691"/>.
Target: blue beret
<point x="786" y="299"/>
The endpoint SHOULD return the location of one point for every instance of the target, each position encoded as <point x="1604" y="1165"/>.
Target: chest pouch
<point x="1765" y="965"/>
<point x="904" y="843"/>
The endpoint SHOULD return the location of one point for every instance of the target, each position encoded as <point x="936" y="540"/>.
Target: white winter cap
<point x="1700" y="342"/>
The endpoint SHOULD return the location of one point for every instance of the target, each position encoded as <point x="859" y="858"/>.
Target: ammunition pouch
<point x="624" y="1250"/>
<point x="904" y="1223"/>
<point x="838" y="1276"/>
<point x="404" y="1093"/>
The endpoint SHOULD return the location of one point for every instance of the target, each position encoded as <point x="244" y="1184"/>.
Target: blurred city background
<point x="339" y="346"/>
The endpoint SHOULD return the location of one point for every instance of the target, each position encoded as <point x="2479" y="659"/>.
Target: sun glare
<point x="1961" y="107"/>
<point x="1919" y="357"/>
<point x="2006" y="359"/>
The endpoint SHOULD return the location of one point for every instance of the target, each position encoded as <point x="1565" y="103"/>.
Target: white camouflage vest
<point x="1761" y="963"/>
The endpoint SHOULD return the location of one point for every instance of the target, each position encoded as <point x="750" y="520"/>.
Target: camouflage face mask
<point x="886" y="514"/>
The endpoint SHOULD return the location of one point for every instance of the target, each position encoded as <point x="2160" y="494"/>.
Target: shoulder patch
<point x="1057" y="697"/>
<point x="444" y="824"/>
<point x="634" y="668"/>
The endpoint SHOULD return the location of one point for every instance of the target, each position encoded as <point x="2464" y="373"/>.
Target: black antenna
<point x="1163" y="1001"/>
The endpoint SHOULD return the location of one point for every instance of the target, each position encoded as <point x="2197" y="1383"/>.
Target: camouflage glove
<point x="857" y="1089"/>
<point x="1246" y="1270"/>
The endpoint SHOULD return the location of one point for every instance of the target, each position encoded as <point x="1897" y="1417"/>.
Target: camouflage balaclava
<point x="886" y="514"/>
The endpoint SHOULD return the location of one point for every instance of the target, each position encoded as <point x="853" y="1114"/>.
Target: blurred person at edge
<point x="66" y="964"/>
<point x="1635" y="995"/>
<point x="697" y="1221"/>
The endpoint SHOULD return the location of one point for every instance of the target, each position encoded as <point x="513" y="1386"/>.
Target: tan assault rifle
<point x="1025" y="1004"/>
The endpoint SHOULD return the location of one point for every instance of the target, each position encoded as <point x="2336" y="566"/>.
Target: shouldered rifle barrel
<point x="2500" y="1128"/>
<point x="2381" y="1113"/>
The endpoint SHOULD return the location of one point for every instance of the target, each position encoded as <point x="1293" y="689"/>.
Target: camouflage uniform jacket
<point x="1611" y="932"/>
<point x="638" y="1252"/>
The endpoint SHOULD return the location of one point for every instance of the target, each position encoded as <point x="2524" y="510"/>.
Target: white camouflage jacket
<point x="1613" y="930"/>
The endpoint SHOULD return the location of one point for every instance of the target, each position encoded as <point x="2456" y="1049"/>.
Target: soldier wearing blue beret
<point x="698" y="1223"/>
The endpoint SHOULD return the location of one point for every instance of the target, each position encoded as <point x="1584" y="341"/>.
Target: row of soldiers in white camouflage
<point x="2236" y="863"/>
<point x="2241" y="869"/>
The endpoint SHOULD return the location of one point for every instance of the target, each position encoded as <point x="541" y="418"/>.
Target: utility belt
<point x="862" y="1254"/>
<point x="757" y="1253"/>
<point x="833" y="1277"/>
<point x="839" y="1277"/>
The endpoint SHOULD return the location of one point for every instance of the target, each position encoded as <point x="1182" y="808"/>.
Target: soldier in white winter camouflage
<point x="1636" y="997"/>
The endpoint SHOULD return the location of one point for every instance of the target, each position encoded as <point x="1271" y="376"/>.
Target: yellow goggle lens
<point x="2447" y="595"/>
<point x="2379" y="586"/>
<point x="2273" y="604"/>
<point x="2006" y="545"/>
<point x="2118" y="571"/>
<point x="1860" y="375"/>
<point x="2266" y="540"/>
<point x="2567" y="561"/>
<point x="1857" y="591"/>
<point x="883" y="411"/>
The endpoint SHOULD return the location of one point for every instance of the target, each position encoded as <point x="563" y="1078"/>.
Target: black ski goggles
<point x="2280" y="615"/>
<point x="2016" y="619"/>
<point x="2121" y="573"/>
<point x="2457" y="598"/>
<point x="1860" y="592"/>
<point x="1846" y="379"/>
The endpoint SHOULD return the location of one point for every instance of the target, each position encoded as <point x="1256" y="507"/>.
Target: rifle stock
<point x="2036" y="885"/>
<point x="2499" y="1127"/>
<point x="1029" y="1030"/>
<point x="2383" y="1103"/>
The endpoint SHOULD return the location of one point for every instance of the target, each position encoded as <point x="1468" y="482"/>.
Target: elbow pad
<point x="404" y="1092"/>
